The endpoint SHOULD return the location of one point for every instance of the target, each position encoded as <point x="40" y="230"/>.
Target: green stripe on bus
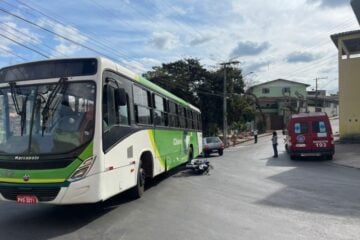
<point x="63" y="184"/>
<point x="154" y="147"/>
<point x="45" y="175"/>
<point x="88" y="152"/>
<point x="15" y="180"/>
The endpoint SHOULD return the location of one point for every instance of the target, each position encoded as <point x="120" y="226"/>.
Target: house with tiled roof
<point x="278" y="99"/>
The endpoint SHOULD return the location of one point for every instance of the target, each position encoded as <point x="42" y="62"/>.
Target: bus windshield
<point x="46" y="118"/>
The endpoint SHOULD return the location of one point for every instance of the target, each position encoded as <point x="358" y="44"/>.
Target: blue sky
<point x="273" y="39"/>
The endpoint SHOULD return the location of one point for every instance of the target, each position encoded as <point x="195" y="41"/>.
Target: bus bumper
<point x="86" y="190"/>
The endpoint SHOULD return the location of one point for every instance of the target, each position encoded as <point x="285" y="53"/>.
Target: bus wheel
<point x="138" y="190"/>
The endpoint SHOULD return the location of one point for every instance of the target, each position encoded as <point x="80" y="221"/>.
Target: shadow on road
<point x="49" y="221"/>
<point x="42" y="221"/>
<point x="284" y="161"/>
<point x="309" y="187"/>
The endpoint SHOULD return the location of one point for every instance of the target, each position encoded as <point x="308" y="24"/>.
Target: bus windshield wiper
<point x="22" y="113"/>
<point x="13" y="89"/>
<point x="60" y="87"/>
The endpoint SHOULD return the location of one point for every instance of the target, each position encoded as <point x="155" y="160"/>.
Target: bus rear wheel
<point x="139" y="188"/>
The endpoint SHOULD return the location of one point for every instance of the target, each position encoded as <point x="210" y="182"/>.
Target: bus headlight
<point x="83" y="169"/>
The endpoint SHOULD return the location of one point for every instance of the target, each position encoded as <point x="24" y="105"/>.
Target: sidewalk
<point x="347" y="155"/>
<point x="247" y="139"/>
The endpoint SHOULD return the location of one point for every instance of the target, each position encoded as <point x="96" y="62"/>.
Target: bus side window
<point x="173" y="118"/>
<point x="122" y="109"/>
<point x="114" y="113"/>
<point x="160" y="115"/>
<point x="189" y="119"/>
<point x="142" y="106"/>
<point x="108" y="105"/>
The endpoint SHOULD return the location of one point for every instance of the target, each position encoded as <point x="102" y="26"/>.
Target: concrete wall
<point x="349" y="97"/>
<point x="331" y="111"/>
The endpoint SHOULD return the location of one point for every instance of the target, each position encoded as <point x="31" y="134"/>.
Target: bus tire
<point x="138" y="190"/>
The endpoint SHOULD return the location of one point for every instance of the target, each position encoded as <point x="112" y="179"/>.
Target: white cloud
<point x="213" y="31"/>
<point x="256" y="66"/>
<point x="294" y="27"/>
<point x="13" y="36"/>
<point x="65" y="49"/>
<point x="201" y="39"/>
<point x="142" y="65"/>
<point x="297" y="57"/>
<point x="329" y="3"/>
<point x="164" y="40"/>
<point x="64" y="32"/>
<point x="23" y="35"/>
<point x="249" y="48"/>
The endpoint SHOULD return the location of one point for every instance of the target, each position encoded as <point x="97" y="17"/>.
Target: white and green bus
<point x="83" y="130"/>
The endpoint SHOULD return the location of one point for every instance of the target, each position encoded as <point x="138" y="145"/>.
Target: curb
<point x="343" y="165"/>
<point x="252" y="139"/>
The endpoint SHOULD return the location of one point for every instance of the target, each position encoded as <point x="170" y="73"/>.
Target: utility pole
<point x="225" y="64"/>
<point x="316" y="90"/>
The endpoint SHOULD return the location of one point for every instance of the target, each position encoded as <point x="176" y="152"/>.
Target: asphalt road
<point x="248" y="195"/>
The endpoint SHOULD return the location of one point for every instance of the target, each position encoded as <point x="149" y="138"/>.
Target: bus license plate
<point x="27" y="199"/>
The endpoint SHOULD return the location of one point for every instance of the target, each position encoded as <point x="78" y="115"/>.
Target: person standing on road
<point x="255" y="135"/>
<point x="274" y="143"/>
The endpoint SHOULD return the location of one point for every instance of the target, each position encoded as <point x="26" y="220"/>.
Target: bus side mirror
<point x="120" y="97"/>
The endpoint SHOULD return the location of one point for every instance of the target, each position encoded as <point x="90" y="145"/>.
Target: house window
<point x="286" y="90"/>
<point x="265" y="90"/>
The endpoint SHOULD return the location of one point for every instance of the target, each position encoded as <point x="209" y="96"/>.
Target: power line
<point x="94" y="41"/>
<point x="319" y="44"/>
<point x="103" y="46"/>
<point x="187" y="28"/>
<point x="23" y="45"/>
<point x="115" y="14"/>
<point x="30" y="37"/>
<point x="310" y="67"/>
<point x="56" y="34"/>
<point x="12" y="53"/>
<point x="179" y="86"/>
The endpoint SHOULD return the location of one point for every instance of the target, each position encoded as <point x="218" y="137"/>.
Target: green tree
<point x="182" y="78"/>
<point x="189" y="80"/>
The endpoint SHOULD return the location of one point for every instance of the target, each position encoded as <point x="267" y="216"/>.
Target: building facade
<point x="277" y="100"/>
<point x="348" y="45"/>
